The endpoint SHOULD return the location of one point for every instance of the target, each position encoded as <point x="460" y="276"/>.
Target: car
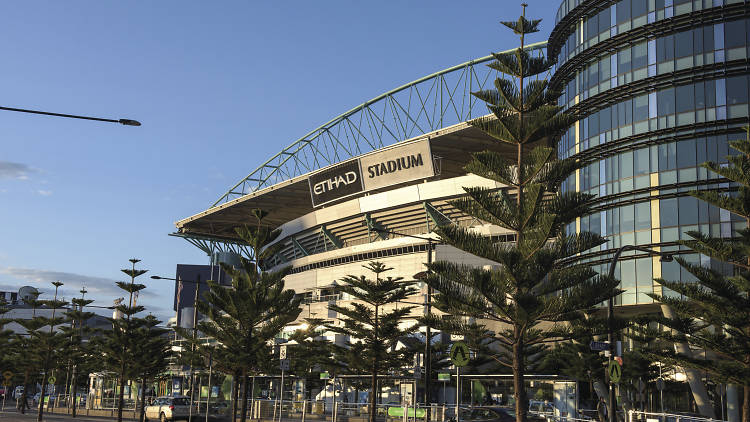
<point x="168" y="408"/>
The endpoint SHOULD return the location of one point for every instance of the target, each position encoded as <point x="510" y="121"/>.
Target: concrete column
<point x="733" y="403"/>
<point x="693" y="375"/>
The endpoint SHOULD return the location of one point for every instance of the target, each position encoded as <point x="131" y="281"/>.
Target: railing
<point x="637" y="415"/>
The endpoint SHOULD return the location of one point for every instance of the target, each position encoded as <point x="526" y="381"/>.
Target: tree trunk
<point x="374" y="374"/>
<point x="40" y="414"/>
<point x="74" y="390"/>
<point x="142" y="408"/>
<point x="522" y="401"/>
<point x="24" y="403"/>
<point x="243" y="416"/>
<point x="746" y="404"/>
<point x="121" y="393"/>
<point x="235" y="392"/>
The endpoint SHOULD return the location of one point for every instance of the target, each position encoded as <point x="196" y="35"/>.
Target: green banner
<point x="398" y="412"/>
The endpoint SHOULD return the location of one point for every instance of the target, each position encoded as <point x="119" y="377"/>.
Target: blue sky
<point x="219" y="88"/>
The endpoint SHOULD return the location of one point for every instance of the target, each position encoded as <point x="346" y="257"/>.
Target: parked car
<point x="49" y="398"/>
<point x="168" y="408"/>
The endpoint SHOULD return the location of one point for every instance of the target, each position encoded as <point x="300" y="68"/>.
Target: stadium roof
<point x="434" y="107"/>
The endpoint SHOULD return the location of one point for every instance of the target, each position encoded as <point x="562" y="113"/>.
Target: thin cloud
<point x="44" y="192"/>
<point x="101" y="289"/>
<point x="97" y="287"/>
<point x="10" y="170"/>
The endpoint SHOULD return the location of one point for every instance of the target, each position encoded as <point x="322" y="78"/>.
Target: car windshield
<point x="180" y="401"/>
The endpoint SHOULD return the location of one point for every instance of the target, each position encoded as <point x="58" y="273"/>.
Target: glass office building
<point x="659" y="86"/>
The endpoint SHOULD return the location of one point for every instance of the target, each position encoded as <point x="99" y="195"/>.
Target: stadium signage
<point x="397" y="165"/>
<point x="389" y="167"/>
<point x="335" y="182"/>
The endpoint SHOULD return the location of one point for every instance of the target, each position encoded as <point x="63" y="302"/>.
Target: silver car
<point x="168" y="408"/>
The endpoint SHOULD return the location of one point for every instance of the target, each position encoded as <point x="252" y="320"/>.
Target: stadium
<point x="368" y="185"/>
<point x="658" y="88"/>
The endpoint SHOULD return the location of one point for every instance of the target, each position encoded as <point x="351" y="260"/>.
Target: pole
<point x="611" y="337"/>
<point x="281" y="394"/>
<point x="210" y="368"/>
<point x="458" y="393"/>
<point x="428" y="340"/>
<point x="195" y="335"/>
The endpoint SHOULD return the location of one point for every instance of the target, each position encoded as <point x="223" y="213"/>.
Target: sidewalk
<point x="13" y="415"/>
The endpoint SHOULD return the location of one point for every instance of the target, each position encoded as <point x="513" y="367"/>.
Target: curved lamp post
<point x="665" y="257"/>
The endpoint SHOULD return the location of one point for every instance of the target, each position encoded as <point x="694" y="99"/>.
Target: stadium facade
<point x="370" y="184"/>
<point x="659" y="86"/>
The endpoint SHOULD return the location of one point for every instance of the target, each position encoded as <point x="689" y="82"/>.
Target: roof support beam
<point x="331" y="237"/>
<point x="437" y="217"/>
<point x="374" y="226"/>
<point x="297" y="245"/>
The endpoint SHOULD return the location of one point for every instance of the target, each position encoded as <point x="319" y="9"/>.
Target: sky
<point x="218" y="86"/>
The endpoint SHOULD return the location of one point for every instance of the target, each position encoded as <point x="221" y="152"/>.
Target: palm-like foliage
<point x="78" y="351"/>
<point x="714" y="313"/>
<point x="369" y="324"/>
<point x="45" y="341"/>
<point x="528" y="296"/>
<point x="118" y="346"/>
<point x="312" y="353"/>
<point x="244" y="318"/>
<point x="150" y="355"/>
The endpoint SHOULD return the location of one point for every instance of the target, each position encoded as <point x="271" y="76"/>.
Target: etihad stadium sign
<point x="373" y="171"/>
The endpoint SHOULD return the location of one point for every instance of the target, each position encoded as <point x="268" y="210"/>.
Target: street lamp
<point x="428" y="336"/>
<point x="126" y="122"/>
<point x="195" y="332"/>
<point x="665" y="257"/>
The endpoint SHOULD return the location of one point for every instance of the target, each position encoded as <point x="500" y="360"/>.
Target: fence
<point x="639" y="416"/>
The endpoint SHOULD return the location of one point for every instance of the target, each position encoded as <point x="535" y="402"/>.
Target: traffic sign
<point x="599" y="345"/>
<point x="8" y="374"/>
<point x="282" y="352"/>
<point x="284" y="364"/>
<point x="324" y="375"/>
<point x="459" y="353"/>
<point x="51" y="380"/>
<point x="444" y="377"/>
<point x="660" y="384"/>
<point x="615" y="371"/>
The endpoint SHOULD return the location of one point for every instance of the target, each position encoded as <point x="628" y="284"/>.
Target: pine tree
<point x="78" y="351"/>
<point x="150" y="355"/>
<point x="25" y="363"/>
<point x="530" y="294"/>
<point x="714" y="312"/>
<point x="117" y="346"/>
<point x="45" y="342"/>
<point x="367" y="321"/>
<point x="244" y="318"/>
<point x="312" y="353"/>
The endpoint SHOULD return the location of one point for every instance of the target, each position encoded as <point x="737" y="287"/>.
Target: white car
<point x="168" y="408"/>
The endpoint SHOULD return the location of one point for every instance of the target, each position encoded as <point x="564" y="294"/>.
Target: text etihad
<point x="333" y="183"/>
<point x="398" y="164"/>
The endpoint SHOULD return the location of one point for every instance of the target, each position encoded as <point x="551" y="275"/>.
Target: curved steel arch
<point x="424" y="105"/>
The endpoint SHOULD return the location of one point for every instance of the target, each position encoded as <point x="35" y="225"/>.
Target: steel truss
<point x="427" y="104"/>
